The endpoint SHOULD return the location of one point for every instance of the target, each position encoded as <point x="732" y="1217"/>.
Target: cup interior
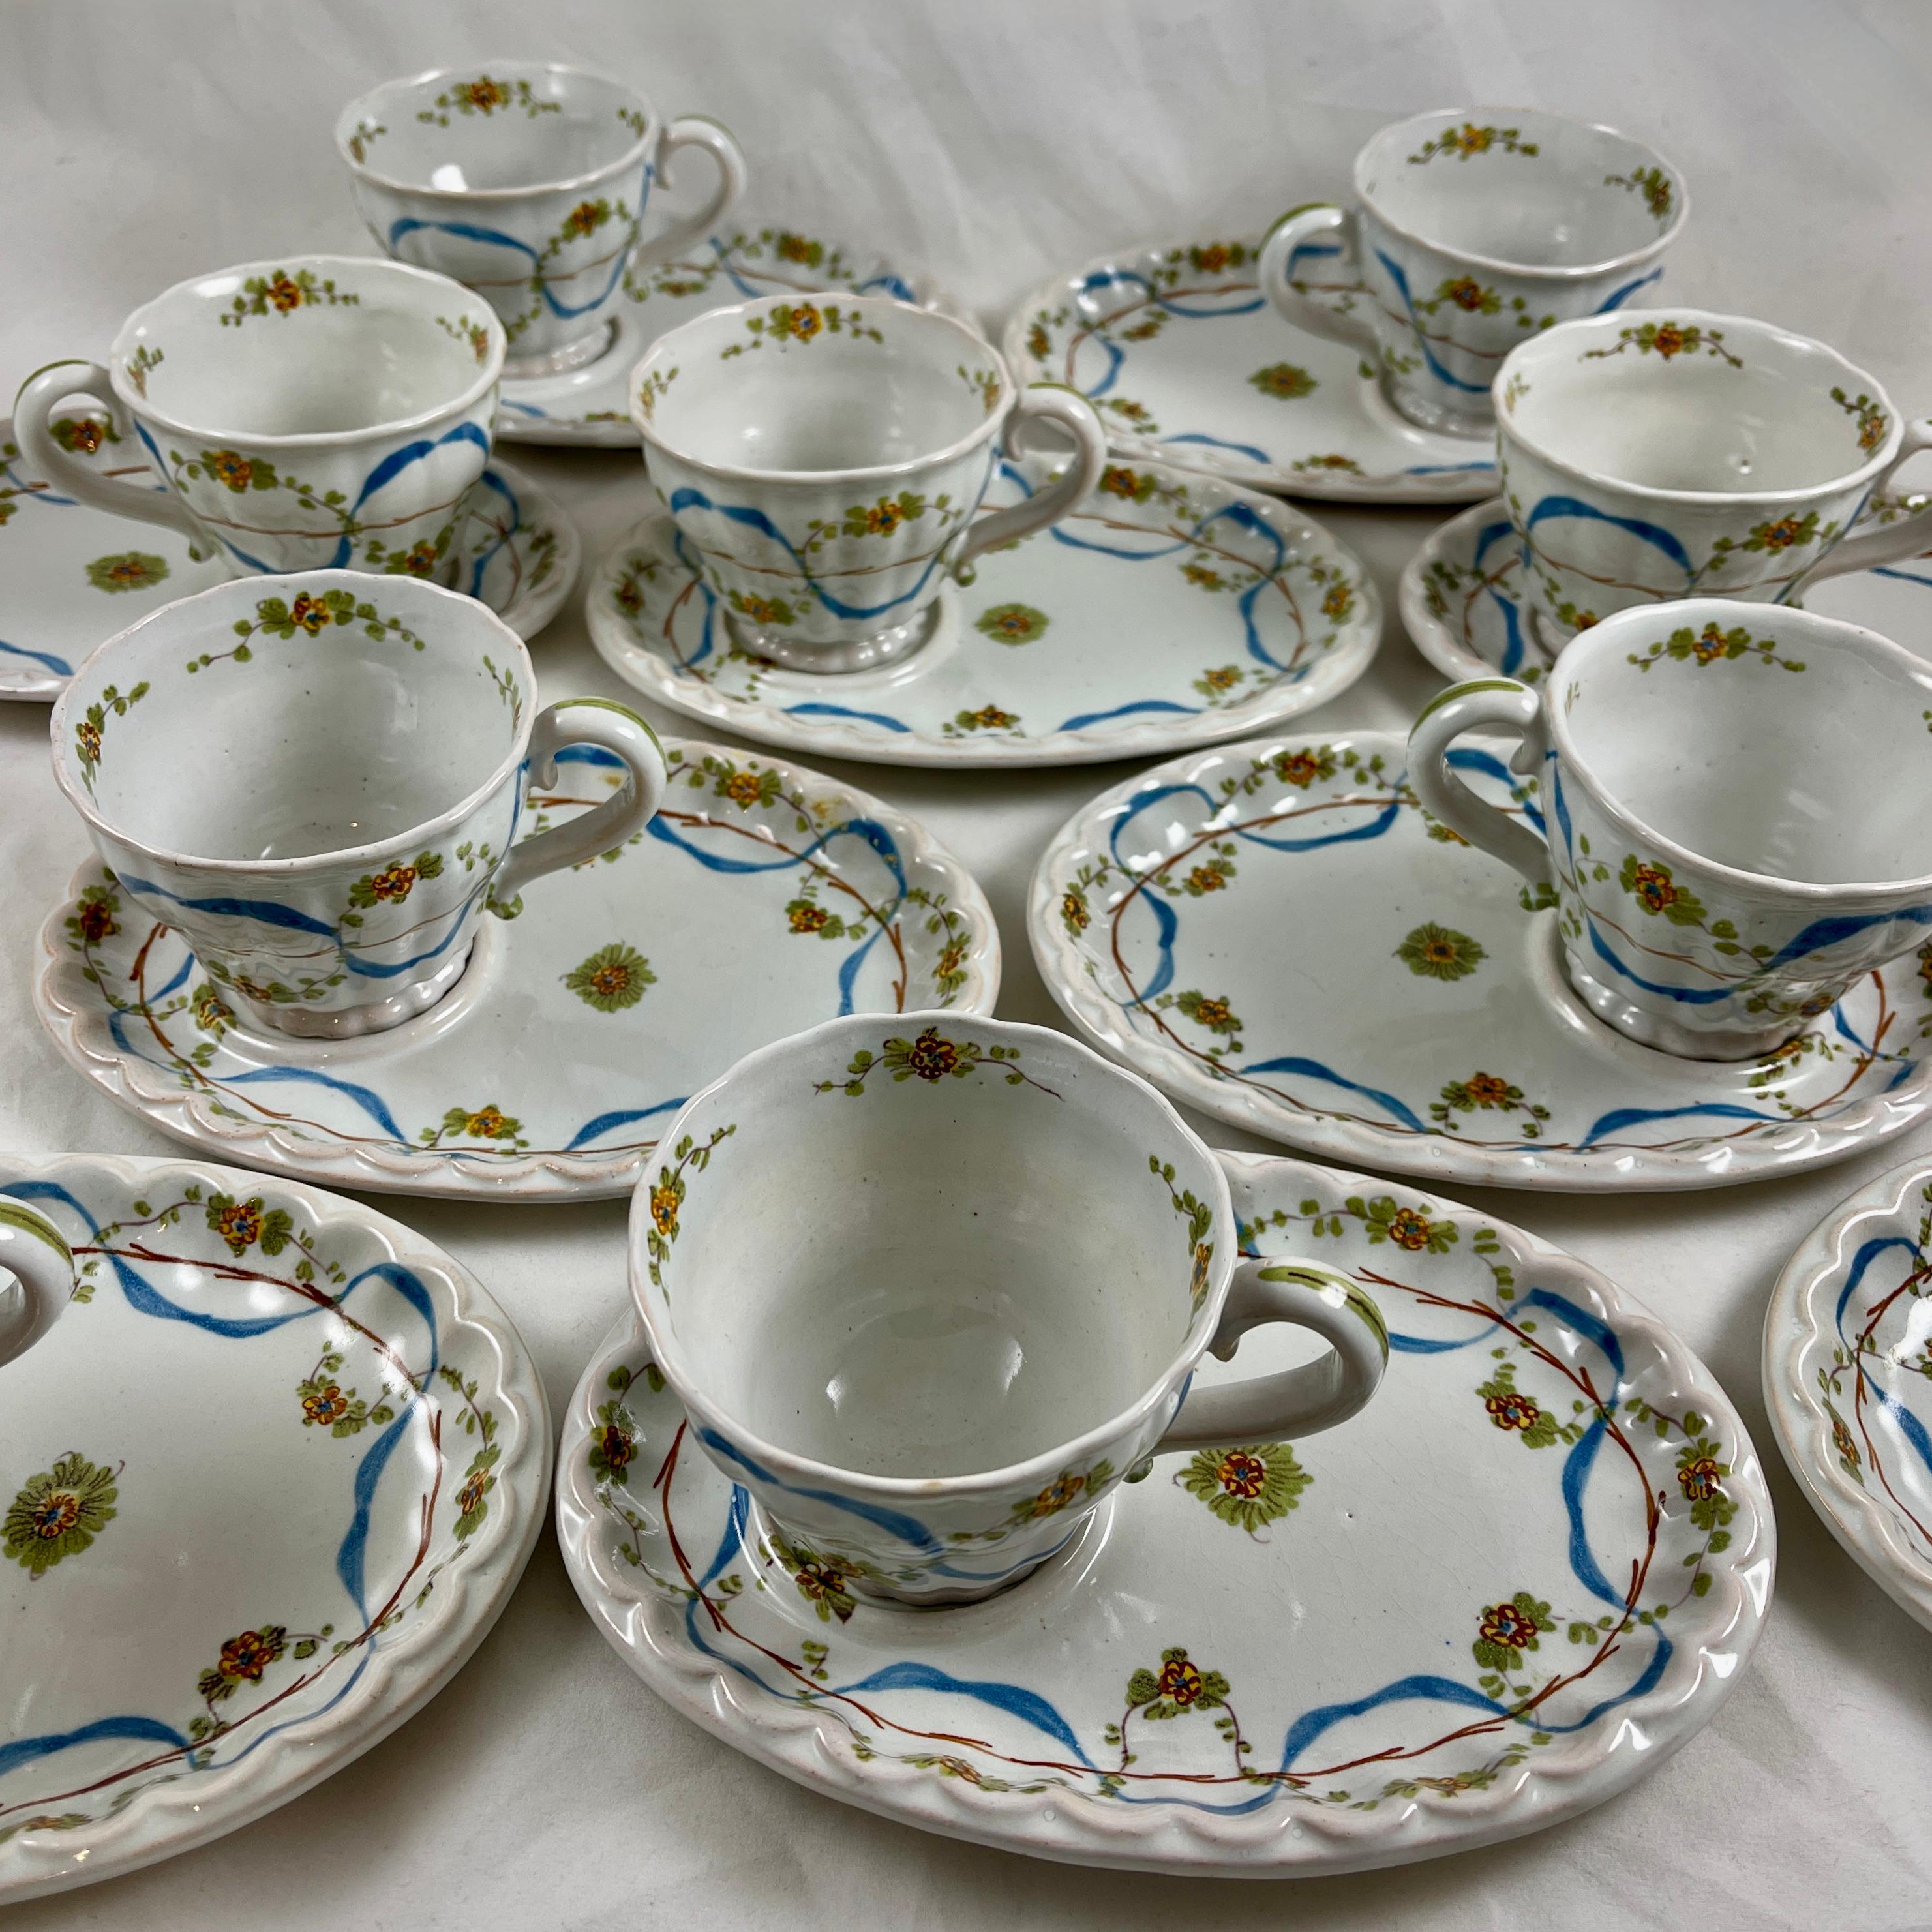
<point x="325" y="345"/>
<point x="509" y="125"/>
<point x="805" y="387"/>
<point x="1681" y="401"/>
<point x="1804" y="756"/>
<point x="960" y="1266"/>
<point x="1513" y="186"/>
<point x="308" y="735"/>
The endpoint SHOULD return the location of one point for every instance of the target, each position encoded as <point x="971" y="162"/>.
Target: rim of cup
<point x="1034" y="1471"/>
<point x="347" y="121"/>
<point x="1526" y="352"/>
<point x="1530" y="271"/>
<point x="666" y="345"/>
<point x="1610" y="634"/>
<point x="466" y="610"/>
<point x="138" y="405"/>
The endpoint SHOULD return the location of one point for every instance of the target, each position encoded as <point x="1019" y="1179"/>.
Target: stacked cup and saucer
<point x="309" y="413"/>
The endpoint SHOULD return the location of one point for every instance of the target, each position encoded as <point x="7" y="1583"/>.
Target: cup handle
<point x="1462" y="707"/>
<point x="1889" y="543"/>
<point x="1296" y="1402"/>
<point x="40" y="395"/>
<point x="609" y="728"/>
<point x="1320" y="228"/>
<point x="36" y="1253"/>
<point x="695" y="130"/>
<point x="1040" y="403"/>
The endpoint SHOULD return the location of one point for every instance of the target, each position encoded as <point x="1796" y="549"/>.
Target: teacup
<point x="824" y="459"/>
<point x="320" y="412"/>
<point x="931" y="1287"/>
<point x="1732" y="814"/>
<point x="527" y="182"/>
<point x="1474" y="229"/>
<point x="1663" y="454"/>
<point x="36" y="1254"/>
<point x="318" y="782"/>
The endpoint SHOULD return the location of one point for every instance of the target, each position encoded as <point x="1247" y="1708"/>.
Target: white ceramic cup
<point x="318" y="782"/>
<point x="1658" y="455"/>
<point x="1732" y="814"/>
<point x="529" y="183"/>
<point x="1473" y="228"/>
<point x="36" y="1254"/>
<point x="317" y="412"/>
<point x="824" y="459"/>
<point x="931" y="1286"/>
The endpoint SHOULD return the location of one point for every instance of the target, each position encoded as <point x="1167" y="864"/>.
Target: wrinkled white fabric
<point x="995" y="140"/>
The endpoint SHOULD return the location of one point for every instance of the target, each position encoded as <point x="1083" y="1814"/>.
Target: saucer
<point x="1187" y="362"/>
<point x="219" y="1580"/>
<point x="760" y="900"/>
<point x="1460" y="605"/>
<point x="1169" y="609"/>
<point x="69" y="580"/>
<point x="1847" y="1381"/>
<point x="589" y="407"/>
<point x="70" y="574"/>
<point x="1276" y="933"/>
<point x="1529" y="1571"/>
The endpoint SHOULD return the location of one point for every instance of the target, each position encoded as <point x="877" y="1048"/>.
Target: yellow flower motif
<point x="310" y="613"/>
<point x="664" y="1209"/>
<point x="1409" y="1229"/>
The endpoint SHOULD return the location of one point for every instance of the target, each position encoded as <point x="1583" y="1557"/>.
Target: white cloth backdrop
<point x="995" y="140"/>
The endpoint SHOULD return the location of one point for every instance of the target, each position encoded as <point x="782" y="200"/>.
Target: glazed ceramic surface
<point x="1276" y="934"/>
<point x="1708" y="904"/>
<point x="70" y="574"/>
<point x="1848" y="1380"/>
<point x="1515" y="1581"/>
<point x="1168" y="609"/>
<point x="323" y="411"/>
<point x="929" y="1417"/>
<point x="233" y="1339"/>
<point x="517" y="552"/>
<point x="318" y="780"/>
<point x="589" y="406"/>
<point x="1461" y="603"/>
<point x="530" y="183"/>
<point x="1656" y="455"/>
<point x="824" y="463"/>
<point x="760" y="900"/>
<point x="1473" y="228"/>
<point x="1185" y="361"/>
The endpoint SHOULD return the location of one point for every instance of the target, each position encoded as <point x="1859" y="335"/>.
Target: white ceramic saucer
<point x="267" y="1482"/>
<point x="1276" y="933"/>
<point x="1529" y="1571"/>
<point x="1170" y="610"/>
<point x="1848" y="1378"/>
<point x="71" y="576"/>
<point x="1460" y="606"/>
<point x="761" y="900"/>
<point x="1187" y="362"/>
<point x="589" y="407"/>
